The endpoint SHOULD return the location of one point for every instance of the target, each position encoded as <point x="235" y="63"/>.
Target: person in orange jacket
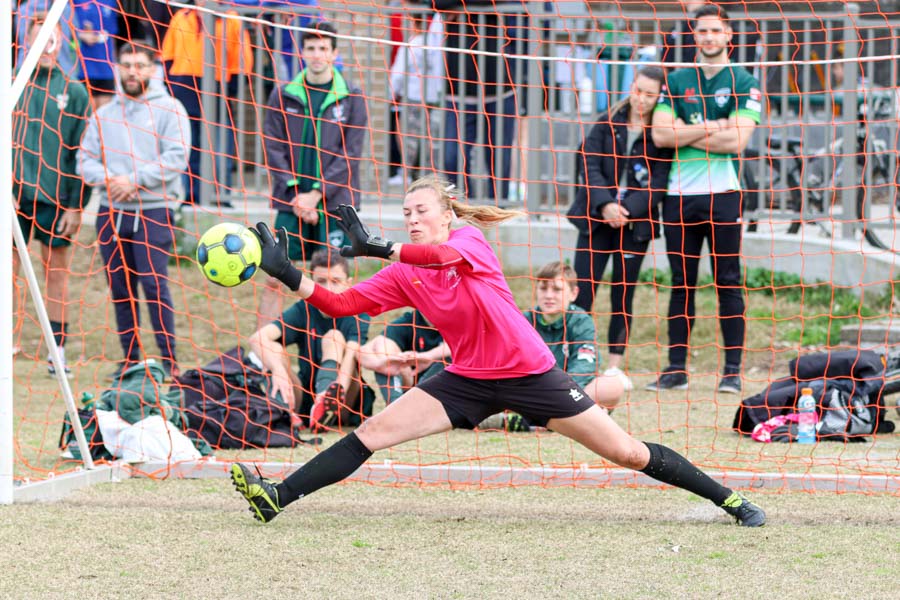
<point x="183" y="53"/>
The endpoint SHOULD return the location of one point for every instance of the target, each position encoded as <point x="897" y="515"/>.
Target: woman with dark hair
<point x="616" y="211"/>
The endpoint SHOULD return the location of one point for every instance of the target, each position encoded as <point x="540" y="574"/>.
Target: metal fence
<point x="555" y="107"/>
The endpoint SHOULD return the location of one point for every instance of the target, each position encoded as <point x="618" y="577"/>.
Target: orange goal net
<point x="721" y="203"/>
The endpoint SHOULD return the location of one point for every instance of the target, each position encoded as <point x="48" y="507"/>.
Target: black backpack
<point x="847" y="385"/>
<point x="227" y="404"/>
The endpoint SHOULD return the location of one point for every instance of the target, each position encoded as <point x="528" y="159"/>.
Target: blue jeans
<point x="498" y="144"/>
<point x="136" y="250"/>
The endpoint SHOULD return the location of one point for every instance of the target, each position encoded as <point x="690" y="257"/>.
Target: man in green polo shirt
<point x="708" y="114"/>
<point x="325" y="390"/>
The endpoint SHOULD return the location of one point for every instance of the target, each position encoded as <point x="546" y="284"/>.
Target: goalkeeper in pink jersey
<point x="453" y="277"/>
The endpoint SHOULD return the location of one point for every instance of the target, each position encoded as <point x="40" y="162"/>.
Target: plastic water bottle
<point x="806" y="426"/>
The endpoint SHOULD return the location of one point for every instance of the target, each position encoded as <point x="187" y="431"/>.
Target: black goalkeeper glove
<point x="275" y="259"/>
<point x="362" y="243"/>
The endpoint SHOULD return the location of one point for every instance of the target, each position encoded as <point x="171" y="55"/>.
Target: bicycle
<point x="805" y="188"/>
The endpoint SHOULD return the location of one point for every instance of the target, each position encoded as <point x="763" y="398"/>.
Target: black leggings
<point x="592" y="252"/>
<point x="688" y="221"/>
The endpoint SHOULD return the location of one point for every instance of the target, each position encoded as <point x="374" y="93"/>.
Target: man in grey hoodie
<point x="135" y="151"/>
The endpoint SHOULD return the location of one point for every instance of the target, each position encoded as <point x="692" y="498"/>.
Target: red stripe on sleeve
<point x="344" y="304"/>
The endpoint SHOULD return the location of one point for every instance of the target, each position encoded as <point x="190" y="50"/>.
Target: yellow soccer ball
<point x="229" y="254"/>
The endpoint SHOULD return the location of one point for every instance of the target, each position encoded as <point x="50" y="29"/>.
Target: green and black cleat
<point x="259" y="492"/>
<point x="745" y="512"/>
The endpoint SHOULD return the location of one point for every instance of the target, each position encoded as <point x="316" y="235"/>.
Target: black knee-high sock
<point x="329" y="466"/>
<point x="668" y="466"/>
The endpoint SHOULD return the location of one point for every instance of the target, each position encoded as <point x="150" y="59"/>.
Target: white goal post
<point x="9" y="229"/>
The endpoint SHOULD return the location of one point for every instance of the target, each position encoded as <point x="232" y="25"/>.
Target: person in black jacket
<point x="616" y="210"/>
<point x="481" y="103"/>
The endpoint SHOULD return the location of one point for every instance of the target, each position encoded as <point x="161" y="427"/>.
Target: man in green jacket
<point x="48" y="122"/>
<point x="313" y="132"/>
<point x="570" y="334"/>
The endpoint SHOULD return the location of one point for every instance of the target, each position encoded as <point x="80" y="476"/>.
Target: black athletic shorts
<point x="538" y="398"/>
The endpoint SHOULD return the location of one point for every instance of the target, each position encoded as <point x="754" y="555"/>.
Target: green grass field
<point x="178" y="538"/>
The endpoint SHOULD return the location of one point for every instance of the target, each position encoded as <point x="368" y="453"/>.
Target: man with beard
<point x="136" y="151"/>
<point x="708" y="114"/>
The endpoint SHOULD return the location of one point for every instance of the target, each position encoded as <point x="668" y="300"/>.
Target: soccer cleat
<point x="516" y="423"/>
<point x="744" y="512"/>
<point x="673" y="378"/>
<point x="326" y="412"/>
<point x="259" y="492"/>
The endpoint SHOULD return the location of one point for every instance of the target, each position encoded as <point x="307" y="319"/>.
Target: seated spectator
<point x="409" y="351"/>
<point x="570" y="334"/>
<point x="96" y="24"/>
<point x="325" y="390"/>
<point x="183" y="53"/>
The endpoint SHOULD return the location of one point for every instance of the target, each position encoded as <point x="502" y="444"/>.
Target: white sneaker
<point x="616" y="372"/>
<point x="62" y="356"/>
<point x="396" y="180"/>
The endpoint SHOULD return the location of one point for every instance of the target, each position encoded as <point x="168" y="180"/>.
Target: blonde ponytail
<point x="448" y="198"/>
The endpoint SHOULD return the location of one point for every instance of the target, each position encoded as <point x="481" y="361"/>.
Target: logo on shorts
<point x="575" y="394"/>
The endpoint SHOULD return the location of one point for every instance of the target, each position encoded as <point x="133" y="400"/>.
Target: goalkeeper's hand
<point x="275" y="259"/>
<point x="362" y="243"/>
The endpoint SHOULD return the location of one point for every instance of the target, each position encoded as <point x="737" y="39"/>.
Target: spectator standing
<point x="411" y="350"/>
<point x="30" y="10"/>
<point x="96" y="25"/>
<point x="616" y="211"/>
<point x="682" y="36"/>
<point x="480" y="92"/>
<point x="48" y="122"/>
<point x="135" y="150"/>
<point x="327" y="352"/>
<point x="184" y="56"/>
<point x="416" y="81"/>
<point x="708" y="114"/>
<point x="313" y="135"/>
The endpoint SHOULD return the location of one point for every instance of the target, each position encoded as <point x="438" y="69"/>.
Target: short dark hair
<point x="328" y="258"/>
<point x="132" y="48"/>
<point x="710" y="10"/>
<point x="320" y="30"/>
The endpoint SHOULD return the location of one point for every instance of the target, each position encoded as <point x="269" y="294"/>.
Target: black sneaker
<point x="259" y="492"/>
<point x="730" y="383"/>
<point x="671" y="379"/>
<point x="744" y="512"/>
